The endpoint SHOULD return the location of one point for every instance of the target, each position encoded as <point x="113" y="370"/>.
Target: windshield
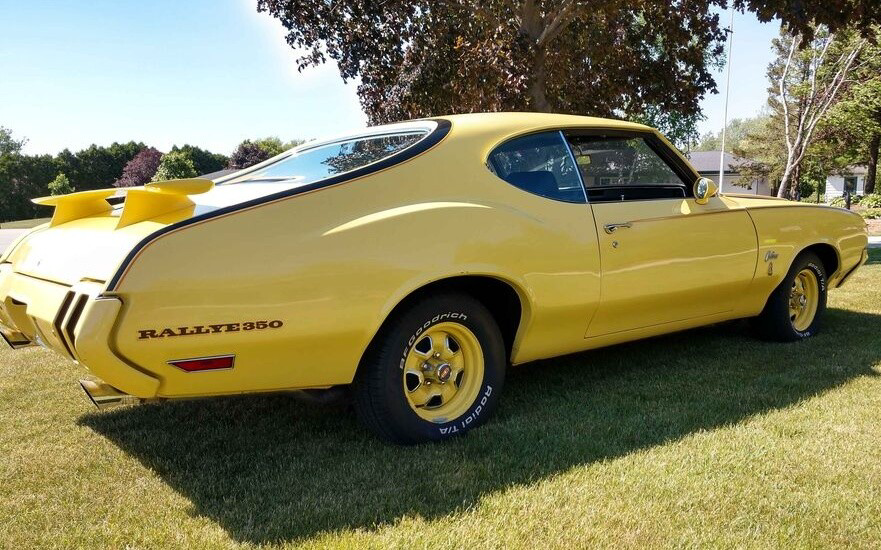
<point x="311" y="164"/>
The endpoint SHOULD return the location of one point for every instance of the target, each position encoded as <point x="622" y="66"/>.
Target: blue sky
<point x="209" y="73"/>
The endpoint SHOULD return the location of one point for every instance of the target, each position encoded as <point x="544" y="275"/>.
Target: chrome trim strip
<point x="575" y="164"/>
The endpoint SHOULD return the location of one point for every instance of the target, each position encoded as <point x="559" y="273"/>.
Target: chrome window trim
<point x="575" y="164"/>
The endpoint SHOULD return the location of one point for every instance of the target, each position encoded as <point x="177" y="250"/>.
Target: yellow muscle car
<point x="413" y="262"/>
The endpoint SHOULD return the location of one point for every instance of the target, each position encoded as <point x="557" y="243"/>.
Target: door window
<point x="540" y="164"/>
<point x="624" y="168"/>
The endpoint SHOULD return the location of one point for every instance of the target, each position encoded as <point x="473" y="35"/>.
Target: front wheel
<point x="794" y="310"/>
<point x="433" y="372"/>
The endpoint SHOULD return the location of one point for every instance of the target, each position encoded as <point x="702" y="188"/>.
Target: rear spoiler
<point x="141" y="203"/>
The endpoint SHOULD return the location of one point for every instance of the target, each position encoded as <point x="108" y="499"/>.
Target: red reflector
<point x="204" y="363"/>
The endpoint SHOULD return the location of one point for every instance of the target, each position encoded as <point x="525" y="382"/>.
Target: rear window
<point x="310" y="164"/>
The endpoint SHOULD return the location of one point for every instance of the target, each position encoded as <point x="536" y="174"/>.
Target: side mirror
<point x="704" y="189"/>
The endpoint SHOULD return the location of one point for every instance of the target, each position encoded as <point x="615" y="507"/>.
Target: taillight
<point x="197" y="364"/>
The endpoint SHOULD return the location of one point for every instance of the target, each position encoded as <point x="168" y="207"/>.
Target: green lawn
<point x="23" y="224"/>
<point x="706" y="438"/>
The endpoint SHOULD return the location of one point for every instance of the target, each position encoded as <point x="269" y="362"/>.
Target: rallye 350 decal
<point x="147" y="334"/>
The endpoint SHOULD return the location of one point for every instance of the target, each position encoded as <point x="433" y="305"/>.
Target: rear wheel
<point x="795" y="309"/>
<point x="433" y="372"/>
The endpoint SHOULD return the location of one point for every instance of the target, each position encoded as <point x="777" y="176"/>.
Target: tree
<point x="250" y="152"/>
<point x="640" y="59"/>
<point x="805" y="80"/>
<point x="140" y="169"/>
<point x="23" y="177"/>
<point x="97" y="167"/>
<point x="204" y="161"/>
<point x="175" y="165"/>
<point x="247" y="154"/>
<point x="735" y="133"/>
<point x="8" y="144"/>
<point x="851" y="131"/>
<point x="60" y="185"/>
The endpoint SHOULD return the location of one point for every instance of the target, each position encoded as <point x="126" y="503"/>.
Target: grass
<point x="704" y="438"/>
<point x="23" y="224"/>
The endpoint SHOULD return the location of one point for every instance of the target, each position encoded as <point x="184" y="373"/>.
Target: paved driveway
<point x="7" y="236"/>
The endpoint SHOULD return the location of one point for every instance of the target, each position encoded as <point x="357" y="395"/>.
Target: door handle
<point x="612" y="227"/>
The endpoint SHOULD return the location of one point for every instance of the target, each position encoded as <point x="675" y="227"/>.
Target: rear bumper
<point x="76" y="322"/>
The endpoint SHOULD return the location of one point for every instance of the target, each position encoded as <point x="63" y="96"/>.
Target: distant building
<point x="852" y="179"/>
<point x="707" y="165"/>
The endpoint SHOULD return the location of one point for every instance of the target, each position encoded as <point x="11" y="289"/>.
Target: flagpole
<point x="730" y="32"/>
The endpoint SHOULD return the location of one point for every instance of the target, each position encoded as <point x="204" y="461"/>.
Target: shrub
<point x="871" y="213"/>
<point x="60" y="185"/>
<point x="871" y="201"/>
<point x="839" y="201"/>
<point x="175" y="165"/>
<point x="140" y="169"/>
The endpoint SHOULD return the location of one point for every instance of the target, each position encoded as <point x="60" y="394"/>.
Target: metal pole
<point x="730" y="32"/>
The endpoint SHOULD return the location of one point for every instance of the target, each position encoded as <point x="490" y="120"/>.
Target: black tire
<point x="378" y="389"/>
<point x="774" y="322"/>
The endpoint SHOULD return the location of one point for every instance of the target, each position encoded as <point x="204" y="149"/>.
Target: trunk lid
<point x="88" y="238"/>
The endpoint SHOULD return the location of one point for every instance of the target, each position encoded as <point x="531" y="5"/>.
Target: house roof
<point x="857" y="170"/>
<point x="219" y="174"/>
<point x="708" y="162"/>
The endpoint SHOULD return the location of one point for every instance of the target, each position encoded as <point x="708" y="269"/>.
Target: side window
<point x="624" y="168"/>
<point x="540" y="164"/>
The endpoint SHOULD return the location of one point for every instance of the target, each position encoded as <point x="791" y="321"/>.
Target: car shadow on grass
<point x="272" y="468"/>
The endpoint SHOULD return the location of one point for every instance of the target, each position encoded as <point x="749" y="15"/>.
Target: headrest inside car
<point x="540" y="182"/>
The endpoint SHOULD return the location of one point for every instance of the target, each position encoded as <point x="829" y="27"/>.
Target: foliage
<point x="736" y="132"/>
<point x="642" y="60"/>
<point x="763" y="152"/>
<point x="871" y="201"/>
<point x="247" y="154"/>
<point x="275" y="146"/>
<point x="140" y="169"/>
<point x="871" y="213"/>
<point x="424" y="58"/>
<point x="23" y="177"/>
<point x="175" y="165"/>
<point x="97" y="167"/>
<point x="806" y="78"/>
<point x="8" y="144"/>
<point x="851" y="133"/>
<point x="60" y="185"/>
<point x="204" y="161"/>
<point x="841" y="202"/>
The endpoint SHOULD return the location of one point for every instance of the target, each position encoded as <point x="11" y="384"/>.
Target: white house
<point x="853" y="179"/>
<point x="707" y="165"/>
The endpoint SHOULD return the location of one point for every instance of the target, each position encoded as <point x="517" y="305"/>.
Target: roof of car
<point x="539" y="120"/>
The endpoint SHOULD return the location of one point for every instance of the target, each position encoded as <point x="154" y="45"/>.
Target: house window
<point x="850" y="184"/>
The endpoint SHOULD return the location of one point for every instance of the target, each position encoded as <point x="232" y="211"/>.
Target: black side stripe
<point x="59" y="317"/>
<point x="429" y="141"/>
<point x="75" y="314"/>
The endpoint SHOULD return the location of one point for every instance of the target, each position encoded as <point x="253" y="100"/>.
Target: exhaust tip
<point x="104" y="395"/>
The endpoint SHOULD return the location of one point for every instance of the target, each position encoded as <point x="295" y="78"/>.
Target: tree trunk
<point x="538" y="85"/>
<point x="873" y="164"/>
<point x="794" y="181"/>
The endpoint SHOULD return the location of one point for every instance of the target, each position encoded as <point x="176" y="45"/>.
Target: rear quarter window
<point x="540" y="164"/>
